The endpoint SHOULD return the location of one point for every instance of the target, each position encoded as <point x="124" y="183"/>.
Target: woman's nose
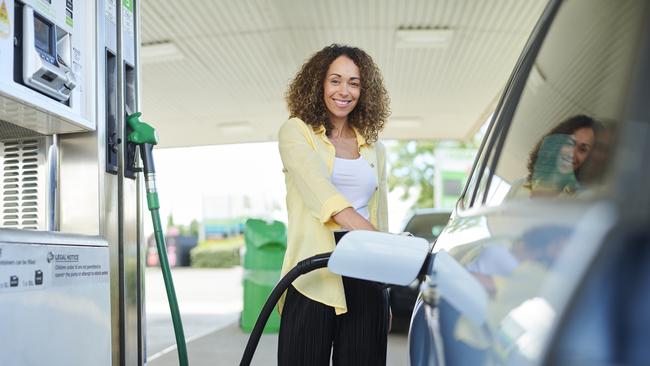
<point x="343" y="89"/>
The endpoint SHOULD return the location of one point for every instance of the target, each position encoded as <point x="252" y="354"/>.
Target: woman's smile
<point x="342" y="103"/>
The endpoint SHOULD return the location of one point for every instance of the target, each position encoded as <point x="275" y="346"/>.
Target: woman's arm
<point x="350" y="219"/>
<point x="308" y="172"/>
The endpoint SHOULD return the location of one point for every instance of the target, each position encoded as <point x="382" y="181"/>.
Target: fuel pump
<point x="71" y="239"/>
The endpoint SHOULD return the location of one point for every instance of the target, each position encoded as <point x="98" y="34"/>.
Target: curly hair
<point x="566" y="127"/>
<point x="305" y="97"/>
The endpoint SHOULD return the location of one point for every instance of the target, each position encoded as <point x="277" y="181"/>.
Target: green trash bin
<point x="266" y="242"/>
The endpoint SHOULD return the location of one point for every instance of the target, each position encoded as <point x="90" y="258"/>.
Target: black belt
<point x="338" y="235"/>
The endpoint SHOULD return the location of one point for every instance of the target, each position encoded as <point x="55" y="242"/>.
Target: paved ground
<point x="210" y="301"/>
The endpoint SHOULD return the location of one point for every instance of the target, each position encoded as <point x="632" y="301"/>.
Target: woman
<point x="336" y="181"/>
<point x="555" y="162"/>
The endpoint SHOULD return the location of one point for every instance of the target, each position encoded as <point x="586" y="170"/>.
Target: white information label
<point x="109" y="9"/>
<point x="54" y="301"/>
<point x="127" y="17"/>
<point x="24" y="268"/>
<point x="35" y="267"/>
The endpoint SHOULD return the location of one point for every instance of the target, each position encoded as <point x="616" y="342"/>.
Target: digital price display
<point x="43" y="35"/>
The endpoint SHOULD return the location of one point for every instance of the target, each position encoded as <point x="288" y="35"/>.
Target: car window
<point x="563" y="133"/>
<point x="472" y="182"/>
<point x="476" y="173"/>
<point x="427" y="225"/>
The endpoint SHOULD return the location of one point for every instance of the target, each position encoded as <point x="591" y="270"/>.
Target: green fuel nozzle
<point x="146" y="137"/>
<point x="142" y="132"/>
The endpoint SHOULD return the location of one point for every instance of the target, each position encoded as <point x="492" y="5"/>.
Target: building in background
<point x="452" y="167"/>
<point x="224" y="215"/>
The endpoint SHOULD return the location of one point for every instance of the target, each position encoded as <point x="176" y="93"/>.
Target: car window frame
<point x="492" y="144"/>
<point x="518" y="84"/>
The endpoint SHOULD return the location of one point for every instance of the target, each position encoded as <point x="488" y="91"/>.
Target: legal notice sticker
<point x="109" y="10"/>
<point x="27" y="267"/>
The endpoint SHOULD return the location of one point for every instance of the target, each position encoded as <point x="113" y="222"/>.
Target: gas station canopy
<point x="215" y="72"/>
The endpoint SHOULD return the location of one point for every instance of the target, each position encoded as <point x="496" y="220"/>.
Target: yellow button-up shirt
<point x="312" y="199"/>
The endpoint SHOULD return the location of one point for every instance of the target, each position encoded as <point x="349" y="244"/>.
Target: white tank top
<point x="356" y="181"/>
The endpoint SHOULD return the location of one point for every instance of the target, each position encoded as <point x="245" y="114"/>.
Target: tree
<point x="411" y="167"/>
<point x="170" y="221"/>
<point x="194" y="228"/>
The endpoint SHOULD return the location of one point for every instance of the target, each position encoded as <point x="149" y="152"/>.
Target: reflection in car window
<point x="560" y="140"/>
<point x="556" y="161"/>
<point x="512" y="271"/>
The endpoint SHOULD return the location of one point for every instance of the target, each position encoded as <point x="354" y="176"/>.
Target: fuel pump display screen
<point x="43" y="35"/>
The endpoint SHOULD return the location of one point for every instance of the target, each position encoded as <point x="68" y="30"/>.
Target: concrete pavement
<point x="210" y="301"/>
<point x="226" y="346"/>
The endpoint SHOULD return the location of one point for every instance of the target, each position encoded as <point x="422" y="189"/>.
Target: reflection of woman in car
<point x="537" y="246"/>
<point x="553" y="167"/>
<point x="511" y="271"/>
<point x="592" y="171"/>
<point x="555" y="162"/>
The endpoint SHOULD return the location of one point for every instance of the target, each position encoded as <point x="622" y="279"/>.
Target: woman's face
<point x="342" y="88"/>
<point x="565" y="161"/>
<point x="575" y="150"/>
<point x="584" y="141"/>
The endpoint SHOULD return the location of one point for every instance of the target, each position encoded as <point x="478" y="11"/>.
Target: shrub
<point x="216" y="256"/>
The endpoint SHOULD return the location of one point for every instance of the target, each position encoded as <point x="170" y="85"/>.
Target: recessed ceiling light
<point x="236" y="128"/>
<point x="161" y="51"/>
<point x="423" y="37"/>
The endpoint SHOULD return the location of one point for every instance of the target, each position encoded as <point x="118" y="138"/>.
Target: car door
<point x="541" y="198"/>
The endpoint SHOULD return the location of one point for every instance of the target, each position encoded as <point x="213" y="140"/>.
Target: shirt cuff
<point x="332" y="206"/>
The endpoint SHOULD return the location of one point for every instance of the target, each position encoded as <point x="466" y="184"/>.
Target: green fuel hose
<point x="146" y="137"/>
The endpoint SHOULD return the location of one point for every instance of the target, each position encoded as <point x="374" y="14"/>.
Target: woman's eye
<point x="355" y="84"/>
<point x="334" y="82"/>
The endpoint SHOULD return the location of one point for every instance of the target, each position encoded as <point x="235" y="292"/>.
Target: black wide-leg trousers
<point x="310" y="331"/>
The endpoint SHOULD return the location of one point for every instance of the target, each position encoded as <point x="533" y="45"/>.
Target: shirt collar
<point x="320" y="130"/>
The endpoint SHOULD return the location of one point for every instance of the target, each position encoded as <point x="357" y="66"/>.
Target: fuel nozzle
<point x="146" y="137"/>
